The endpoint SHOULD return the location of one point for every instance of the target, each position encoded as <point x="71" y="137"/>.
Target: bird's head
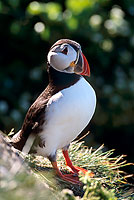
<point x="66" y="56"/>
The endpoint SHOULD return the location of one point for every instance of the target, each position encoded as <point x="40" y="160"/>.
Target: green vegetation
<point x="34" y="178"/>
<point x="109" y="181"/>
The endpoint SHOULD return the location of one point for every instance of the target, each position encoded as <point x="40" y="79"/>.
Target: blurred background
<point x="105" y="31"/>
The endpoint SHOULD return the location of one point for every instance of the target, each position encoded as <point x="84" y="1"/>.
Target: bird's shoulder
<point x="35" y="116"/>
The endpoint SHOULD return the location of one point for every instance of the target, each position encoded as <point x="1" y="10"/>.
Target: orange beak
<point x="86" y="68"/>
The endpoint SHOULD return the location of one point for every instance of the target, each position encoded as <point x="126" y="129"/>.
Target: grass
<point x="107" y="169"/>
<point x="37" y="180"/>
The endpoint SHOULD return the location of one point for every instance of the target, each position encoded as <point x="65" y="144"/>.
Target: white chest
<point x="68" y="112"/>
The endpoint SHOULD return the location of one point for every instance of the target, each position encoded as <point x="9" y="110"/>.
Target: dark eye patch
<point x="65" y="51"/>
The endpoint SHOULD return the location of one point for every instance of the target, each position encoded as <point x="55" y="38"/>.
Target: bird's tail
<point x="28" y="144"/>
<point x="22" y="143"/>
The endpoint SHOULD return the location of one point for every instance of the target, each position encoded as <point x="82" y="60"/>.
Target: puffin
<point x="62" y="110"/>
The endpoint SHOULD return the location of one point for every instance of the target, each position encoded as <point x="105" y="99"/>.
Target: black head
<point x="66" y="56"/>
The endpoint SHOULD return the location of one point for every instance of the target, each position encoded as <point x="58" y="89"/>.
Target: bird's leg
<point x="74" y="169"/>
<point x="66" y="177"/>
<point x="72" y="178"/>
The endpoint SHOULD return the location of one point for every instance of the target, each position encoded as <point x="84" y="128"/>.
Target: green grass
<point x="37" y="180"/>
<point x="109" y="179"/>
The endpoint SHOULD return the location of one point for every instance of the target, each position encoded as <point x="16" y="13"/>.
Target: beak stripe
<point x="77" y="58"/>
<point x="86" y="68"/>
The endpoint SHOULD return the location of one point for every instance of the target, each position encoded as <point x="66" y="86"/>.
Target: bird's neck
<point x="62" y="79"/>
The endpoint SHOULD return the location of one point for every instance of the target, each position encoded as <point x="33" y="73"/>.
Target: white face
<point x="61" y="56"/>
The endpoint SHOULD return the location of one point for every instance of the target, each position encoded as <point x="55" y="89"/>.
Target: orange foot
<point x="74" y="169"/>
<point x="72" y="178"/>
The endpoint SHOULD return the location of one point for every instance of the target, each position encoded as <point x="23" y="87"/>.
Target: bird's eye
<point x="65" y="51"/>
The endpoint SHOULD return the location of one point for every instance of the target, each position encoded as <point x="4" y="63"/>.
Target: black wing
<point x="34" y="120"/>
